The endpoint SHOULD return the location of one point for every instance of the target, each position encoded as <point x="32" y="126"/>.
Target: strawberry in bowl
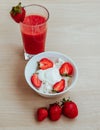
<point x="51" y="73"/>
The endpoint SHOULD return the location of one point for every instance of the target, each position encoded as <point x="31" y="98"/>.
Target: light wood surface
<point x="73" y="29"/>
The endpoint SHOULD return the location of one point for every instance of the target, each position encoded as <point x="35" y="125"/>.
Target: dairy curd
<point x="51" y="76"/>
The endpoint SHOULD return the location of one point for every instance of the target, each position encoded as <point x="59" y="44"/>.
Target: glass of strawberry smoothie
<point x="34" y="30"/>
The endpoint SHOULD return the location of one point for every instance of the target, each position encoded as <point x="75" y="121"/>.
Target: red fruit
<point x="59" y="86"/>
<point x="18" y="13"/>
<point x="66" y="69"/>
<point x="36" y="81"/>
<point x="70" y="109"/>
<point x="55" y="112"/>
<point x="42" y="113"/>
<point x="45" y="63"/>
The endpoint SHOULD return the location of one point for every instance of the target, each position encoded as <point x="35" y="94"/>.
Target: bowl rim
<point x="57" y="53"/>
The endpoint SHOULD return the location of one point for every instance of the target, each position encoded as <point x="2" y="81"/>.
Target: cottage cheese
<point x="51" y="76"/>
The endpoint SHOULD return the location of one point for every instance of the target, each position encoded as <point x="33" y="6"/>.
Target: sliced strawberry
<point x="18" y="13"/>
<point x="36" y="81"/>
<point x="66" y="69"/>
<point x="59" y="86"/>
<point x="45" y="63"/>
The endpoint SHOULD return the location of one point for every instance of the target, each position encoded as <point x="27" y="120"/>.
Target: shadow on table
<point x="13" y="59"/>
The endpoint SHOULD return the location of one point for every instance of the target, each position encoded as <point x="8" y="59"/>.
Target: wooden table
<point x="73" y="29"/>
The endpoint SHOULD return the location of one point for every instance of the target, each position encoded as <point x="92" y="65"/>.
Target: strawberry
<point x="35" y="80"/>
<point x="69" y="109"/>
<point x="59" y="86"/>
<point x="45" y="63"/>
<point x="42" y="113"/>
<point x="55" y="112"/>
<point x="18" y="13"/>
<point x="66" y="69"/>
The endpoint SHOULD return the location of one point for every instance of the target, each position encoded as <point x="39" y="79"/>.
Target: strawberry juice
<point x="33" y="30"/>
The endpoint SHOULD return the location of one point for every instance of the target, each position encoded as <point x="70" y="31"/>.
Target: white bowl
<point x="31" y="67"/>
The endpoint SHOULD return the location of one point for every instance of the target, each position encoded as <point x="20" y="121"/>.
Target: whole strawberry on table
<point x="67" y="108"/>
<point x="55" y="111"/>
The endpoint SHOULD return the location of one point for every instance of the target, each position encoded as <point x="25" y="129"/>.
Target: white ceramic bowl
<point x="32" y="65"/>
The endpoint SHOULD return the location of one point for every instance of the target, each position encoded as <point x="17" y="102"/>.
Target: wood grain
<point x="73" y="29"/>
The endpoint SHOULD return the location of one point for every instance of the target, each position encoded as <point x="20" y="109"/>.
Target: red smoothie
<point x="33" y="30"/>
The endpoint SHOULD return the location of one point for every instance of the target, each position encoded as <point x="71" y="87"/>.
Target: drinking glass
<point x="34" y="29"/>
